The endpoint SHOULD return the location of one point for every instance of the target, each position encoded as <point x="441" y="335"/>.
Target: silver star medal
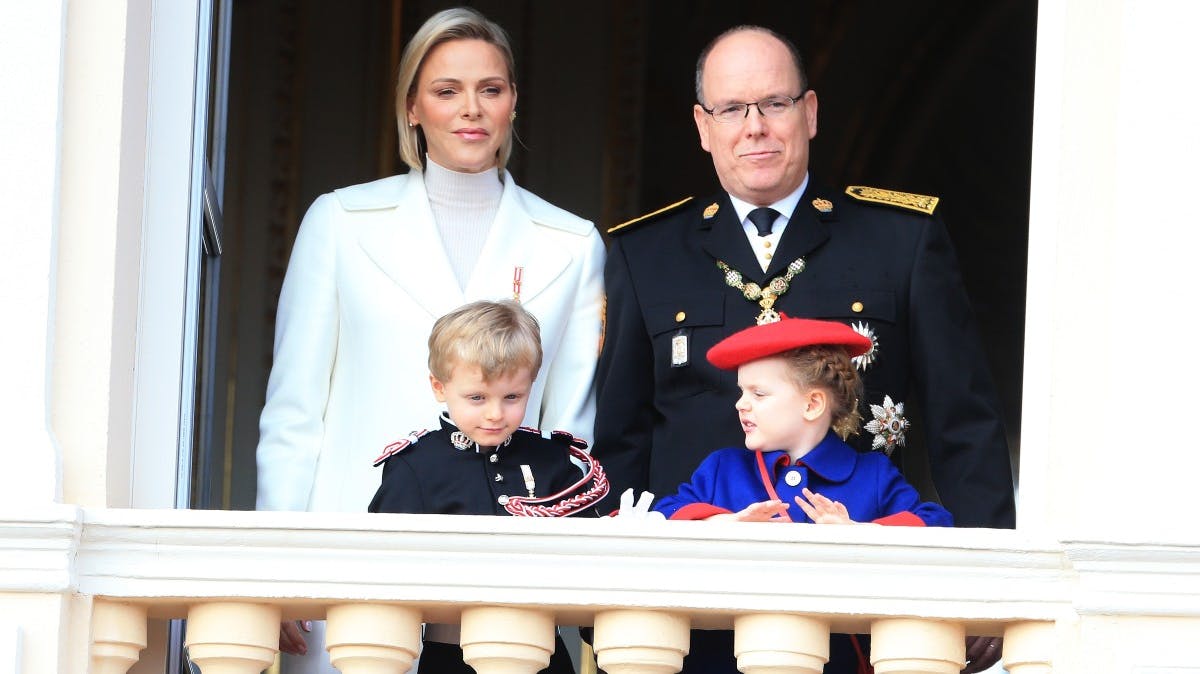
<point x="861" y="362"/>
<point x="888" y="426"/>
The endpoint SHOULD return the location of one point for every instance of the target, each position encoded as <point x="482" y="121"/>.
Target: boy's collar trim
<point x="462" y="442"/>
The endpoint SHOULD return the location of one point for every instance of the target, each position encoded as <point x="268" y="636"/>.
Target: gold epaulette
<point x="913" y="202"/>
<point x="643" y="218"/>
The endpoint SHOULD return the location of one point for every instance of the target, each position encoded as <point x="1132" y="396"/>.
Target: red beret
<point x="761" y="341"/>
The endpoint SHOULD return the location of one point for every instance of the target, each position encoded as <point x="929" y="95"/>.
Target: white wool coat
<point x="368" y="276"/>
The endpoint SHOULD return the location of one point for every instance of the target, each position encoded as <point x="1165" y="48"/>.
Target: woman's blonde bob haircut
<point x="459" y="23"/>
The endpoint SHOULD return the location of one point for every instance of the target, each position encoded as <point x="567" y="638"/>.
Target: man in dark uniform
<point x="680" y="280"/>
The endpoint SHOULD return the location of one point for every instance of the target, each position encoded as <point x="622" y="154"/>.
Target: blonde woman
<point x="374" y="266"/>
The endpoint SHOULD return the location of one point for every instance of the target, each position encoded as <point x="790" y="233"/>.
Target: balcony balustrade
<point x="642" y="585"/>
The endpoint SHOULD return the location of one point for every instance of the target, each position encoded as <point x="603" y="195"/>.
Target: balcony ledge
<point x="713" y="571"/>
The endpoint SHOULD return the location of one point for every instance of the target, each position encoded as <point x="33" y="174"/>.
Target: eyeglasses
<point x="772" y="106"/>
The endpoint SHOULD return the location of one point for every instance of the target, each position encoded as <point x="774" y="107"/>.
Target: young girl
<point x="799" y="401"/>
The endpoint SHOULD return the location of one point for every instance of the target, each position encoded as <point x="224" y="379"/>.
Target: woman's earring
<point x="513" y="117"/>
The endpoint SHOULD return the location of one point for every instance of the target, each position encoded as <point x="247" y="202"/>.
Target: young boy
<point x="800" y="393"/>
<point x="480" y="461"/>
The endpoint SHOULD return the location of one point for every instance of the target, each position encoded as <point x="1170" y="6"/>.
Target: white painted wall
<point x="93" y="99"/>
<point x="1156" y="241"/>
<point x="30" y="67"/>
<point x="1107" y="453"/>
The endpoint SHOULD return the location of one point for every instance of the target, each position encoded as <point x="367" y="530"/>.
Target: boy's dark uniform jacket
<point x="426" y="473"/>
<point x="891" y="268"/>
<point x="430" y="475"/>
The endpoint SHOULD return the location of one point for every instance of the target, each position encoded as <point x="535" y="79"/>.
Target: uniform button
<point x="857" y="307"/>
<point x="503" y="499"/>
<point x="494" y="458"/>
<point x="499" y="477"/>
<point x="793" y="478"/>
<point x="768" y="256"/>
<point x="680" y="316"/>
<point x="766" y="244"/>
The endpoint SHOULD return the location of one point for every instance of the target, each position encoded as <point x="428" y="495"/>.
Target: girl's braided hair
<point x="830" y="368"/>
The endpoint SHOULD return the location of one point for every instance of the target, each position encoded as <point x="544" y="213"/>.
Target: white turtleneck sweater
<point x="464" y="207"/>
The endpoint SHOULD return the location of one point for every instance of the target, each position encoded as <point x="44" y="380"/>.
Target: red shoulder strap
<point x="769" y="482"/>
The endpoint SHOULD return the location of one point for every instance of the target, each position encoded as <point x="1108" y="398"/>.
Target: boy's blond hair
<point x="830" y="368"/>
<point x="499" y="337"/>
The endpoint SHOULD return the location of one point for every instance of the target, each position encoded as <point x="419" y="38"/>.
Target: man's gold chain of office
<point x="764" y="296"/>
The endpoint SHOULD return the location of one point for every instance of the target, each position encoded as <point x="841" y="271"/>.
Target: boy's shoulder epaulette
<point x="568" y="439"/>
<point x="913" y="202"/>
<point x="399" y="446"/>
<point x="643" y="219"/>
<point x="562" y="437"/>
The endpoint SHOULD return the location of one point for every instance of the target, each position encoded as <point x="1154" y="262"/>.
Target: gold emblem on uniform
<point x="915" y="202"/>
<point x="857" y="307"/>
<point x="644" y="218"/>
<point x="823" y="205"/>
<point x="711" y="210"/>
<point x="765" y="296"/>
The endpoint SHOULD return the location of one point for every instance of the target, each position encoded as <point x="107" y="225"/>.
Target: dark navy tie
<point x="763" y="218"/>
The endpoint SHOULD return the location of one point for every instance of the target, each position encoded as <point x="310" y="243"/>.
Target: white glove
<point x="640" y="511"/>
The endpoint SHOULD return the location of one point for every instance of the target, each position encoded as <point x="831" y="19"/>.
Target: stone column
<point x="776" y="643"/>
<point x="118" y="636"/>
<point x="917" y="646"/>
<point x="1029" y="648"/>
<point x="232" y="637"/>
<point x="643" y="642"/>
<point x="372" y="638"/>
<point x="499" y="640"/>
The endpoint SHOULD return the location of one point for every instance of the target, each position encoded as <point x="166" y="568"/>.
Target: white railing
<point x="234" y="575"/>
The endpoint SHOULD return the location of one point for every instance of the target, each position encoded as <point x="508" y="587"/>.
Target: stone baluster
<point x="499" y="640"/>
<point x="640" y="642"/>
<point x="1029" y="648"/>
<point x="372" y="638"/>
<point x="917" y="646"/>
<point x="775" y="643"/>
<point x="118" y="636"/>
<point x="232" y="637"/>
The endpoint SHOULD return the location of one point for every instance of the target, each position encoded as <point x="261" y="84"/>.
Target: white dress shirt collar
<point x="765" y="246"/>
